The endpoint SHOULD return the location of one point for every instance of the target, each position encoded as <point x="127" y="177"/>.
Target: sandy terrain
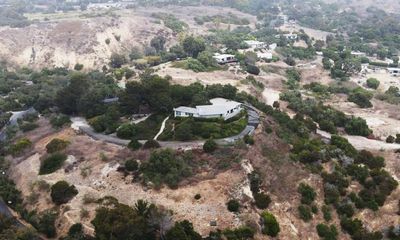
<point x="104" y="180"/>
<point x="313" y="33"/>
<point x="383" y="118"/>
<point x="65" y="39"/>
<point x="382" y="75"/>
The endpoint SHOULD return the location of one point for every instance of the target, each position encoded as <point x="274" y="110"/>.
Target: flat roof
<point x="186" y="109"/>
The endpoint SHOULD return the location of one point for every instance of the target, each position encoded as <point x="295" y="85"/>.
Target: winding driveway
<point x="79" y="123"/>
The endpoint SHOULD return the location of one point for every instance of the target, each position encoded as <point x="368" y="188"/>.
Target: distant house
<point x="266" y="55"/>
<point x="273" y="46"/>
<point x="289" y="36"/>
<point x="358" y="54"/>
<point x="255" y="44"/>
<point x="394" y="71"/>
<point x="219" y="108"/>
<point x="224" y="58"/>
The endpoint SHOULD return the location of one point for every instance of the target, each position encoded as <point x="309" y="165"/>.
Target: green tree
<point x="158" y="43"/>
<point x="373" y="83"/>
<point x="56" y="145"/>
<point x="117" y="60"/>
<point x="327" y="232"/>
<point x="307" y="193"/>
<point x="193" y="45"/>
<point x="182" y="231"/>
<point x="210" y="146"/>
<point x="62" y="192"/>
<point x="270" y="224"/>
<point x="233" y="205"/>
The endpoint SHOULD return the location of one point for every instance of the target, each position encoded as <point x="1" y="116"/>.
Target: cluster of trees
<point x="230" y="18"/>
<point x="344" y="64"/>
<point x="166" y="166"/>
<point x="391" y="139"/>
<point x="171" y="22"/>
<point x="307" y="206"/>
<point x="361" y="97"/>
<point x="392" y="95"/>
<point x="351" y="165"/>
<point x="329" y="119"/>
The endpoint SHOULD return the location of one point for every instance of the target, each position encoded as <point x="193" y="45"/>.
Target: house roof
<point x="222" y="56"/>
<point x="218" y="106"/>
<point x="252" y="42"/>
<point x="186" y="109"/>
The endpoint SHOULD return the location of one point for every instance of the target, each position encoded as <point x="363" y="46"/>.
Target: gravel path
<point x="362" y="143"/>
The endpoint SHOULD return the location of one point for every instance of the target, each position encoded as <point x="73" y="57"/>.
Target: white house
<point x="289" y="36"/>
<point x="224" y="58"/>
<point x="219" y="108"/>
<point x="266" y="55"/>
<point x="255" y="44"/>
<point x="394" y="71"/>
<point x="358" y="54"/>
<point x="273" y="46"/>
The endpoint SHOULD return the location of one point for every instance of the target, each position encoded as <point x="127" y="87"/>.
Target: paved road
<point x="14" y="121"/>
<point x="81" y="124"/>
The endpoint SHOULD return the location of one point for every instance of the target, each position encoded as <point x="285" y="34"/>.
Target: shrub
<point x="307" y="193"/>
<point x="351" y="226"/>
<point x="344" y="145"/>
<point x="131" y="165"/>
<point x="56" y="145"/>
<point x="305" y="213"/>
<point x="164" y="166"/>
<point x="210" y="146"/>
<point x="390" y="139"/>
<point x="326" y="211"/>
<point x="270" y="225"/>
<point x="345" y="209"/>
<point x="361" y="97"/>
<point x="195" y="65"/>
<point x="373" y="83"/>
<point x="357" y="126"/>
<point x="197" y="196"/>
<point x="62" y="192"/>
<point x="52" y="163"/>
<point x="26" y="127"/>
<point x="134" y="145"/>
<point x="252" y="69"/>
<point x="126" y="131"/>
<point x="244" y="232"/>
<point x="249" y="140"/>
<point x="78" y="67"/>
<point x="262" y="200"/>
<point x="59" y="121"/>
<point x="151" y="144"/>
<point x="233" y="205"/>
<point x="327" y="232"/>
<point x="20" y="146"/>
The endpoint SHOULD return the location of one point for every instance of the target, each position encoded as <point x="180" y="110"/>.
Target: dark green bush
<point x="210" y="146"/>
<point x="56" y="145"/>
<point x="62" y="192"/>
<point x="307" y="193"/>
<point x="252" y="69"/>
<point x="262" y="200"/>
<point x="270" y="225"/>
<point x="305" y="213"/>
<point x="327" y="232"/>
<point x="134" y="145"/>
<point x="233" y="205"/>
<point x="151" y="144"/>
<point x="52" y="163"/>
<point x="131" y="165"/>
<point x="127" y="131"/>
<point x="373" y="83"/>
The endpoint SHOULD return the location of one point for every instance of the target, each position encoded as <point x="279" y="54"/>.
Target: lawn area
<point x="150" y="127"/>
<point x="186" y="129"/>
